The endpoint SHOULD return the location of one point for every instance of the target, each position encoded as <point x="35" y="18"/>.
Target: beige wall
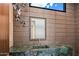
<point x="60" y="27"/>
<point x="10" y="26"/>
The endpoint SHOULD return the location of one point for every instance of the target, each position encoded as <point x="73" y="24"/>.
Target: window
<point x="37" y="28"/>
<point x="50" y="6"/>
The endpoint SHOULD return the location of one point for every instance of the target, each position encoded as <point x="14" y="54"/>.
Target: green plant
<point x="41" y="46"/>
<point x="63" y="51"/>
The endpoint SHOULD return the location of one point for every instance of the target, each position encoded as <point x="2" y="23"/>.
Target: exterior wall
<point x="60" y="27"/>
<point x="10" y="26"/>
<point x="4" y="28"/>
<point x="77" y="28"/>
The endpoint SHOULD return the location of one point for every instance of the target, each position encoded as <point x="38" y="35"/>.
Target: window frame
<point x="30" y="29"/>
<point x="50" y="9"/>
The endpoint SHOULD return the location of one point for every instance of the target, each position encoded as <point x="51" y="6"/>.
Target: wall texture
<point x="4" y="28"/>
<point x="60" y="27"/>
<point x="77" y="28"/>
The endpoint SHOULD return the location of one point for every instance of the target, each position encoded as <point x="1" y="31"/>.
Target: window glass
<point x="37" y="28"/>
<point x="52" y="6"/>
